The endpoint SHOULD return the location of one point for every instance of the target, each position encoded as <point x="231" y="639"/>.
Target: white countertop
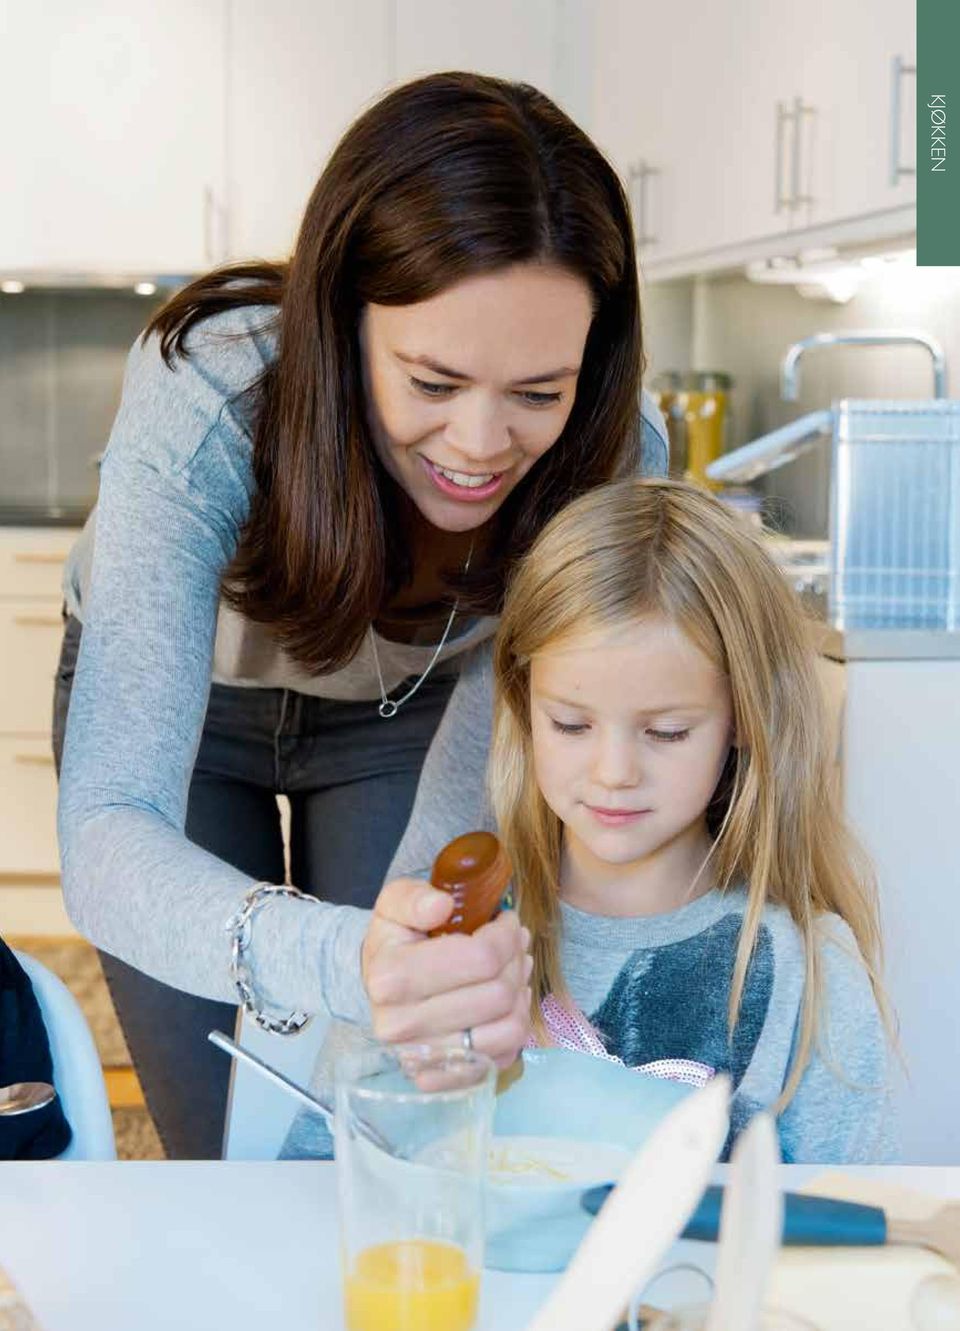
<point x="889" y="644"/>
<point x="210" y="1246"/>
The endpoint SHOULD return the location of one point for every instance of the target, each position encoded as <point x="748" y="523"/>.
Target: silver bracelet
<point x="240" y="929"/>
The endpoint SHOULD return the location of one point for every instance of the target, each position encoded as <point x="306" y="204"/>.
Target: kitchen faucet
<point x="789" y="366"/>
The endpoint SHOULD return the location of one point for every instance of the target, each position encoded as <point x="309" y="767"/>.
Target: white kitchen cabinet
<point x="498" y="37"/>
<point x="770" y="133"/>
<point x="686" y="112"/>
<point x="631" y="117"/>
<point x="848" y="81"/>
<point x="167" y="138"/>
<point x="31" y="629"/>
<point x="760" y="120"/>
<point x="299" y="72"/>
<point x="547" y="43"/>
<point x="113" y="142"/>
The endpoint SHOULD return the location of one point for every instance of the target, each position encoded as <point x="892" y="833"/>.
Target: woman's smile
<point x="465" y="487"/>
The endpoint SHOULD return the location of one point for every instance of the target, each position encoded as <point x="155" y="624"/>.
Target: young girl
<point x="662" y="777"/>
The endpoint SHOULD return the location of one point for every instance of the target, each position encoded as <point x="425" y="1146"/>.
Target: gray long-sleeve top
<point x="144" y="578"/>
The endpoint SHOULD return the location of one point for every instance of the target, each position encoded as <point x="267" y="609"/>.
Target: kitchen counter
<point x="42" y="515"/>
<point x="806" y="566"/>
<point x="887" y="644"/>
<point x="201" y="1244"/>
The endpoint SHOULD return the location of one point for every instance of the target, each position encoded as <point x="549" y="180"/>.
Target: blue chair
<point x="77" y="1074"/>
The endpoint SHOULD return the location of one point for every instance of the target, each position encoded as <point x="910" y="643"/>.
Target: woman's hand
<point x="431" y="989"/>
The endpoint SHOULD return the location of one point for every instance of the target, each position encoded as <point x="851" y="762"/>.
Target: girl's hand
<point x="433" y="989"/>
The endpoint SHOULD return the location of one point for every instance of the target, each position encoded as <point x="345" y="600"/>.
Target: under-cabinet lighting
<point x="882" y="263"/>
<point x="840" y="287"/>
<point x="826" y="274"/>
<point x="11" y="287"/>
<point x="146" y="288"/>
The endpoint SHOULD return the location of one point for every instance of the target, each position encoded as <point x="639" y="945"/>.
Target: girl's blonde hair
<point x="653" y="547"/>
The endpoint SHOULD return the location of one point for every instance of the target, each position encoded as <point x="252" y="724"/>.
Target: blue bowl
<point x="537" y="1226"/>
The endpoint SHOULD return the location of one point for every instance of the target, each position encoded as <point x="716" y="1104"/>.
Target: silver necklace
<point x="389" y="706"/>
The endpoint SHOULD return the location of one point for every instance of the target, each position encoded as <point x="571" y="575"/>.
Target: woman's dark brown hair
<point x="444" y="178"/>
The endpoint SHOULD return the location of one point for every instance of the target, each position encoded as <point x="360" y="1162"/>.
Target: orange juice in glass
<point x="412" y="1134"/>
<point x="411" y="1285"/>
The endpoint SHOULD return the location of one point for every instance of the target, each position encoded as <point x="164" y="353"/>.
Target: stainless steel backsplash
<point x="62" y="357"/>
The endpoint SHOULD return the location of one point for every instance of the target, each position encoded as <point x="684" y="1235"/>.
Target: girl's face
<point x="466" y="391"/>
<point x="631" y="730"/>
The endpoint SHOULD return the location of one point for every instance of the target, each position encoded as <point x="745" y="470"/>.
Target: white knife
<point x="751" y="1225"/>
<point x="643" y="1215"/>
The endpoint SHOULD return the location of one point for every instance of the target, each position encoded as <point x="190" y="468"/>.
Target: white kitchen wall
<point x="668" y="328"/>
<point x="730" y="323"/>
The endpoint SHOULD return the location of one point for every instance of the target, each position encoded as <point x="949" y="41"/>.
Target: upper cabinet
<point x="498" y="37"/>
<point x="113" y="120"/>
<point x="167" y="137"/>
<point x="734" y="124"/>
<point x="665" y="105"/>
<point x="299" y="72"/>
<point x="860" y="88"/>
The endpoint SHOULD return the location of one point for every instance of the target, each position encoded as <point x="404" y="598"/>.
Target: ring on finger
<point x="466" y="1040"/>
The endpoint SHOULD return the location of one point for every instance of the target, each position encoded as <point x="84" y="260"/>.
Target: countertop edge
<point x="887" y="644"/>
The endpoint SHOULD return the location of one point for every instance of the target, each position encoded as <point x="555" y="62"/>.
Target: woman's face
<point x="466" y="390"/>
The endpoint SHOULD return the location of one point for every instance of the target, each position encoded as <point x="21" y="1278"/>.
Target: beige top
<point x="245" y="654"/>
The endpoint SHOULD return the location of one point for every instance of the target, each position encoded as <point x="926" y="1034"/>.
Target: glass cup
<point x="412" y="1136"/>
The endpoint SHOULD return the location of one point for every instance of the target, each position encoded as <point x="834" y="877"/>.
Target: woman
<point x="319" y="475"/>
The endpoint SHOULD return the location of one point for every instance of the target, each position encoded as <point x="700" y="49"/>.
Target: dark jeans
<point x="350" y="777"/>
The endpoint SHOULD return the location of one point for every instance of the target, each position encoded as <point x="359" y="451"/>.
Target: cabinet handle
<point x="34" y="759"/>
<point x="646" y="237"/>
<point x="635" y="174"/>
<point x="223" y="232"/>
<point x="39" y="621"/>
<point x="208" y="217"/>
<point x="780" y="200"/>
<point x="639" y="173"/>
<point x="799" y="111"/>
<point x="215" y="220"/>
<point x="38" y="557"/>
<point x="898" y="69"/>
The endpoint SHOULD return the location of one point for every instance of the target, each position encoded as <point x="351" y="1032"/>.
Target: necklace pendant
<point x="388" y="708"/>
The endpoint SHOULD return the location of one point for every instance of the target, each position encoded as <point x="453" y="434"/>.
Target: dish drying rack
<point x="894" y="493"/>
